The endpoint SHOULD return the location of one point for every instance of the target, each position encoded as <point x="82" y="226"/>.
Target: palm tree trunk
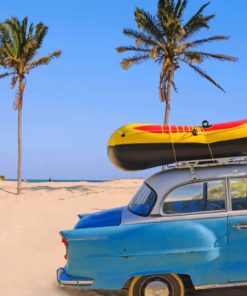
<point x="168" y="108"/>
<point x="19" y="108"/>
<point x="19" y="170"/>
<point x="168" y="101"/>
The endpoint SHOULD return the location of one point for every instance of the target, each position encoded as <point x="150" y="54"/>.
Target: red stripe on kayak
<point x="178" y="129"/>
<point x="226" y="125"/>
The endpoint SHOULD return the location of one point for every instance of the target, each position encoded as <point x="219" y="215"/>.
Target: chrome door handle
<point x="240" y="226"/>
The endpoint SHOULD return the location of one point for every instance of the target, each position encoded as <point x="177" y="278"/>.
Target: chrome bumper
<point x="66" y="280"/>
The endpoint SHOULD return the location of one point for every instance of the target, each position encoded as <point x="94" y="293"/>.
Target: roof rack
<point x="192" y="164"/>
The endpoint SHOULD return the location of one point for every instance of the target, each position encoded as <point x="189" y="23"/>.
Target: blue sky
<point x="72" y="106"/>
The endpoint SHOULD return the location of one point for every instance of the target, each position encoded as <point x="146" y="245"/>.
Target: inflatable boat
<point x="142" y="146"/>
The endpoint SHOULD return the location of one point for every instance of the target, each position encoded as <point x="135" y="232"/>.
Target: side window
<point x="238" y="190"/>
<point x="196" y="197"/>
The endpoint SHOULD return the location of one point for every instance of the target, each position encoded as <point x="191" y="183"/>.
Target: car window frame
<point x="156" y="198"/>
<point x="226" y="183"/>
<point x="231" y="211"/>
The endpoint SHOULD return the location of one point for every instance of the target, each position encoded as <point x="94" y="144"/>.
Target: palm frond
<point x="23" y="31"/>
<point x="166" y="6"/>
<point x="44" y="60"/>
<point x="148" y="23"/>
<point x="141" y="38"/>
<point x="30" y="33"/>
<point x="131" y="48"/>
<point x="4" y="33"/>
<point x="178" y="7"/>
<point x="207" y="40"/>
<point x="13" y="81"/>
<point x="221" y="57"/>
<point x="198" y="24"/>
<point x="197" y="21"/>
<point x="5" y="51"/>
<point x="40" y="33"/>
<point x="155" y="52"/>
<point x="15" y="34"/>
<point x="12" y="62"/>
<point x="30" y="50"/>
<point x="5" y="75"/>
<point x="181" y="8"/>
<point x="128" y="62"/>
<point x="6" y="40"/>
<point x="204" y="75"/>
<point x="193" y="57"/>
<point x="208" y="18"/>
<point x="201" y="9"/>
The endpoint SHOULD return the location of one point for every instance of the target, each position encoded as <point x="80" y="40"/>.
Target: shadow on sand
<point x="66" y="291"/>
<point x="240" y="291"/>
<point x="79" y="188"/>
<point x="9" y="192"/>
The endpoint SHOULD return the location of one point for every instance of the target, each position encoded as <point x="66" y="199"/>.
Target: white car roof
<point x="164" y="181"/>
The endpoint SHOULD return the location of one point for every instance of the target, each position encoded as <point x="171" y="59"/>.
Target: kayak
<point x="142" y="146"/>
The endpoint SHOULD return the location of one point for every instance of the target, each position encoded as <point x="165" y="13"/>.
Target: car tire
<point x="160" y="285"/>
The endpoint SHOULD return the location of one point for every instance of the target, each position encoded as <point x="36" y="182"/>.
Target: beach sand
<point x="30" y="246"/>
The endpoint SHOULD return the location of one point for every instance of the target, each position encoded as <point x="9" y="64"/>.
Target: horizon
<point x="72" y="106"/>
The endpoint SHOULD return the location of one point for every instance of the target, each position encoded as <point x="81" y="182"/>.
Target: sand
<point x="30" y="246"/>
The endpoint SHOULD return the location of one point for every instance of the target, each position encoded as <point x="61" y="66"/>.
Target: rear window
<point x="143" y="201"/>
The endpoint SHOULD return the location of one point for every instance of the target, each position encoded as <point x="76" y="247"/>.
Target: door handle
<point x="240" y="226"/>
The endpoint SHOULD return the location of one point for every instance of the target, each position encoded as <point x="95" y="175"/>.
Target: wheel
<point x="157" y="285"/>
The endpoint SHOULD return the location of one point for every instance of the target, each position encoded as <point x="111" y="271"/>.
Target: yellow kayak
<point x="142" y="146"/>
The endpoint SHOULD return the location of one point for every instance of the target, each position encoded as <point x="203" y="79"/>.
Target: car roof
<point x="164" y="181"/>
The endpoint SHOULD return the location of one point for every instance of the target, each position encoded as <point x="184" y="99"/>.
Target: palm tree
<point x="166" y="38"/>
<point x="19" y="44"/>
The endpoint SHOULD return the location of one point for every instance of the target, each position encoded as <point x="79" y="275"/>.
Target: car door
<point x="237" y="230"/>
<point x="201" y="238"/>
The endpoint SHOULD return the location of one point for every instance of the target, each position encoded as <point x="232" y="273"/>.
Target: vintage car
<point x="185" y="225"/>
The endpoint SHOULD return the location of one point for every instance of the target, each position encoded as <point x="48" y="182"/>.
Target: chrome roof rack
<point x="192" y="164"/>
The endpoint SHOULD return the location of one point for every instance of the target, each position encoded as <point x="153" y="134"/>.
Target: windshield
<point x="143" y="201"/>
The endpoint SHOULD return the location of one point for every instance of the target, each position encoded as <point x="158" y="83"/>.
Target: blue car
<point x="185" y="226"/>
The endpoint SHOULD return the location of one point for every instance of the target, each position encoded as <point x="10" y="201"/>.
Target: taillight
<point x="65" y="242"/>
<point x="66" y="246"/>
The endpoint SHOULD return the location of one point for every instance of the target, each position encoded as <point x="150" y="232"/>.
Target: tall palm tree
<point x="19" y="45"/>
<point x="166" y="38"/>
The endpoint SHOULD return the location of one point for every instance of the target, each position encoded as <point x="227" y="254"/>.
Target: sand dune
<point x="30" y="246"/>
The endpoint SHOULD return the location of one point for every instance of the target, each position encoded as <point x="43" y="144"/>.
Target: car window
<point x="196" y="197"/>
<point x="238" y="191"/>
<point x="143" y="201"/>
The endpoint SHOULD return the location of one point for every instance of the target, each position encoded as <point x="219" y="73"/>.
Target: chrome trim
<point x="72" y="282"/>
<point x="230" y="196"/>
<point x="128" y="219"/>
<point x="237" y="213"/>
<point x="81" y="283"/>
<point x="229" y="201"/>
<point x="217" y="286"/>
<point x="240" y="226"/>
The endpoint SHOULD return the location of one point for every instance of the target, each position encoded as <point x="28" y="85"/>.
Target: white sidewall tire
<point x="173" y="279"/>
